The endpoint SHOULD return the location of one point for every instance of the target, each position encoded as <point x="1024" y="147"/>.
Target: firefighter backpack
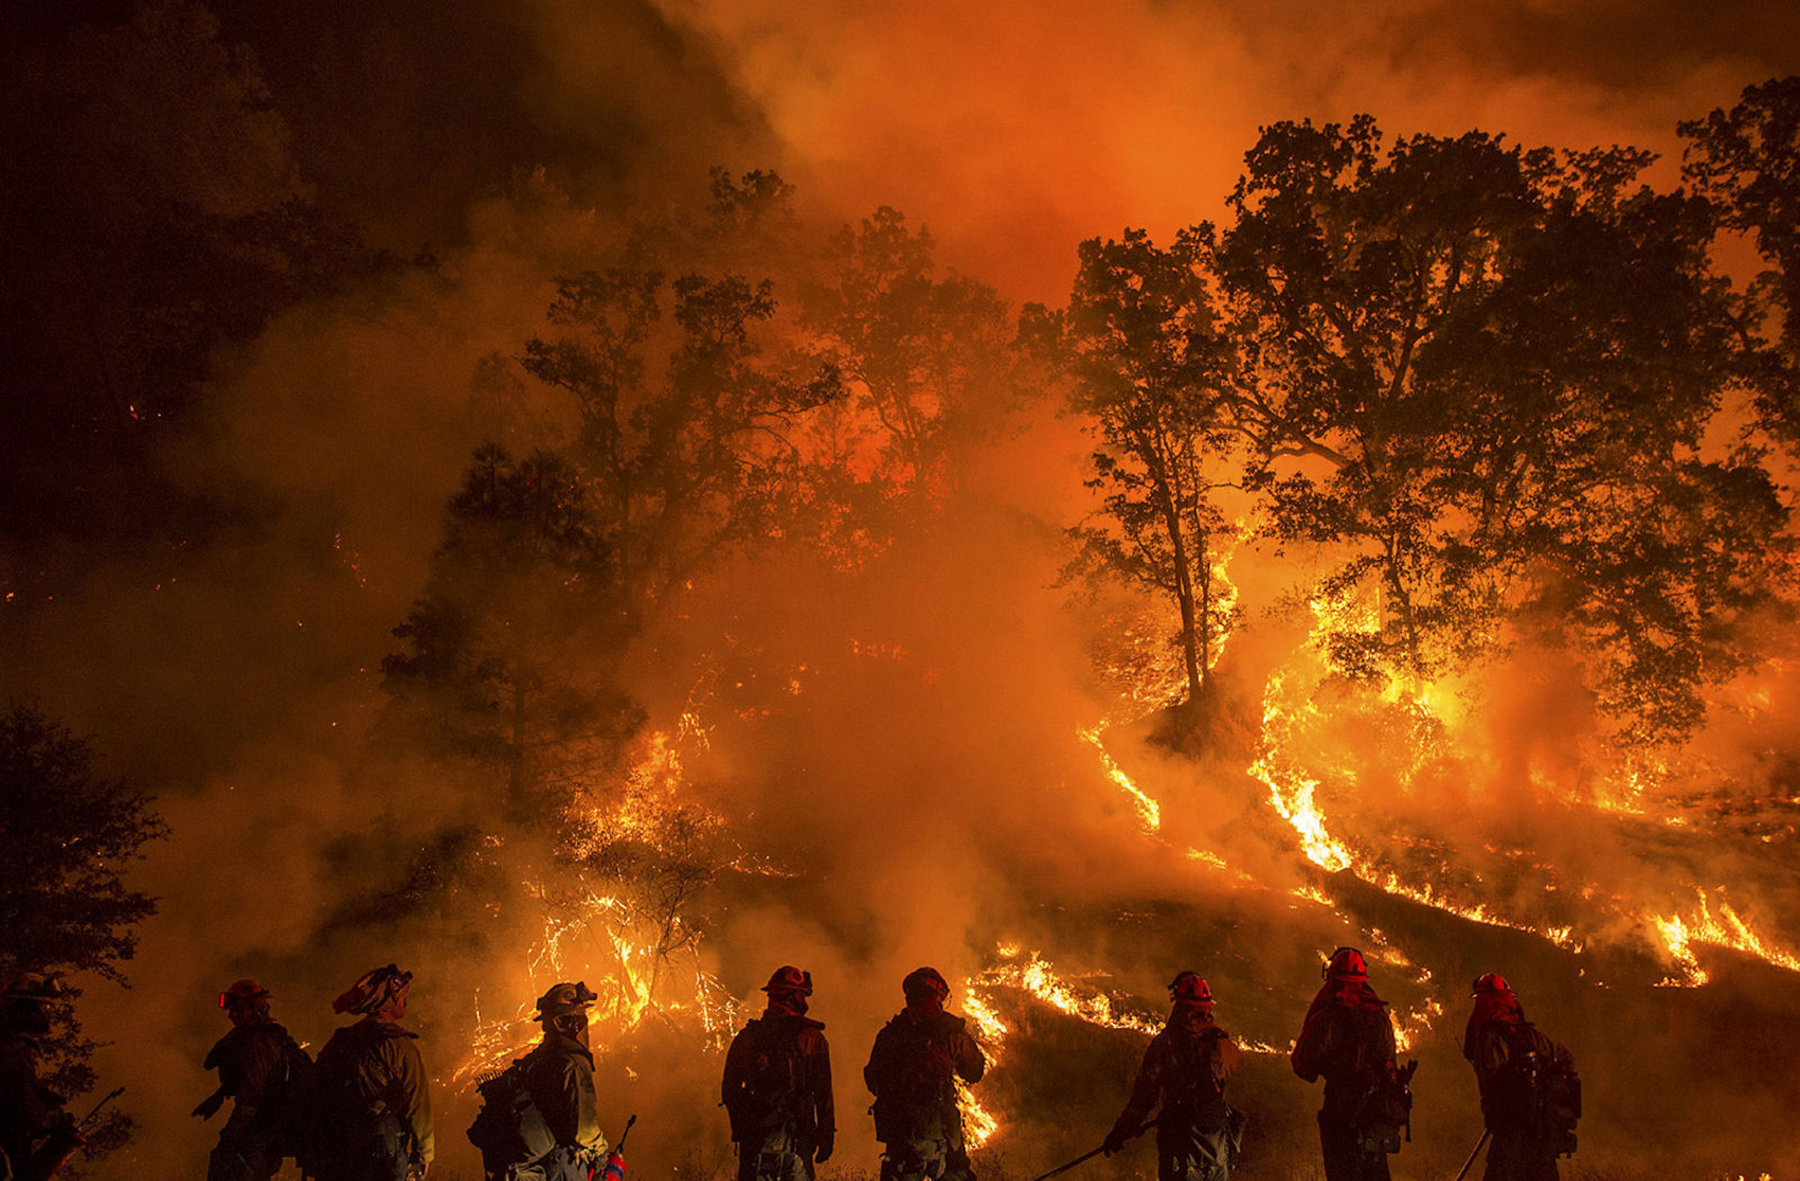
<point x="1536" y="1091"/>
<point x="1387" y="1109"/>
<point x="509" y="1129"/>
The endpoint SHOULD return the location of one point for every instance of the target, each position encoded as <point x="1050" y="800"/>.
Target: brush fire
<point x="1232" y="638"/>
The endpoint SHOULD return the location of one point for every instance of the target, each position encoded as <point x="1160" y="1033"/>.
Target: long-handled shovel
<point x="1470" y="1163"/>
<point x="1088" y="1156"/>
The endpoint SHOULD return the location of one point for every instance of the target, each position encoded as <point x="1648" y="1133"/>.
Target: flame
<point x="1725" y="929"/>
<point x="979" y="1126"/>
<point x="642" y="964"/>
<point x="1411" y="1027"/>
<point x="1038" y="978"/>
<point x="1293" y="792"/>
<point x="1148" y="810"/>
<point x="1291" y="717"/>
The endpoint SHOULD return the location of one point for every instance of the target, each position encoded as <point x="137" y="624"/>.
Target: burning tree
<point x="1153" y="374"/>
<point x="1485" y="376"/>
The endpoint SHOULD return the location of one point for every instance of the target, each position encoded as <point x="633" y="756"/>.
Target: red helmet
<point x="373" y="991"/>
<point x="1189" y="988"/>
<point x="1346" y="963"/>
<point x="34" y="988"/>
<point x="244" y="992"/>
<point x="1489" y="983"/>
<point x="925" y="982"/>
<point x="788" y="978"/>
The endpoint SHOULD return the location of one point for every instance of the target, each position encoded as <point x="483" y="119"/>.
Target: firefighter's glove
<point x="1115" y="1139"/>
<point x="210" y="1105"/>
<point x="822" y="1153"/>
<point x="939" y="1063"/>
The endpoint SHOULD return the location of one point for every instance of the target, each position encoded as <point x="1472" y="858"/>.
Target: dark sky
<point x="1015" y="131"/>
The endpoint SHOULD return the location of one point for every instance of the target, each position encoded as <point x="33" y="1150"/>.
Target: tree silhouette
<point x="67" y="832"/>
<point x="925" y="356"/>
<point x="1747" y="162"/>
<point x="508" y="650"/>
<point x="688" y="433"/>
<point x="1150" y="370"/>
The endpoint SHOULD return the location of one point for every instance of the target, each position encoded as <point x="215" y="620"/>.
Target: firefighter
<point x="912" y="1072"/>
<point x="1524" y="1078"/>
<point x="1184" y="1070"/>
<point x="1349" y="1038"/>
<point x="369" y="1107"/>
<point x="36" y="1135"/>
<point x="777" y="1086"/>
<point x="258" y="1065"/>
<point x="559" y="1075"/>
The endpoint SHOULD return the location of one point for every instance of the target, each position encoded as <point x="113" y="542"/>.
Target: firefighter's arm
<point x="970" y="1062"/>
<point x="1491" y="1054"/>
<point x="209" y="1106"/>
<point x="415" y="1102"/>
<point x="731" y="1081"/>
<point x="873" y="1072"/>
<point x="1312" y="1048"/>
<point x="731" y="1084"/>
<point x="1230" y="1058"/>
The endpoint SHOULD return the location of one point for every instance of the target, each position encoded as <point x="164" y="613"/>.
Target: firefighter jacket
<point x="912" y="1073"/>
<point x="1349" y="1039"/>
<point x="252" y="1061"/>
<point x="777" y="1084"/>
<point x="378" y="1066"/>
<point x="1184" y="1071"/>
<point x="28" y="1111"/>
<point x="560" y="1075"/>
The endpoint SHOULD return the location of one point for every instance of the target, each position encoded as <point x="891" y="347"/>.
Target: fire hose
<point x="1088" y="1156"/>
